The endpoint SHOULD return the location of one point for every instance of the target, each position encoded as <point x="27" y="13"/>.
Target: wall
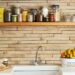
<point x="19" y="44"/>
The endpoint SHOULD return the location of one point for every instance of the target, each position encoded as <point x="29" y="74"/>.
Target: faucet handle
<point x="45" y="62"/>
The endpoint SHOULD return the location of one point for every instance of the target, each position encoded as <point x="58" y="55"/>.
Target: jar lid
<point x="55" y="6"/>
<point x="14" y="15"/>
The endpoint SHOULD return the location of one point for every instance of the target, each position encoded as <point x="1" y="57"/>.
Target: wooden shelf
<point x="37" y="23"/>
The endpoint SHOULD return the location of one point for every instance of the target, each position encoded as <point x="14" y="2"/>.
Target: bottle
<point x="7" y="15"/>
<point x="1" y="14"/>
<point x="56" y="12"/>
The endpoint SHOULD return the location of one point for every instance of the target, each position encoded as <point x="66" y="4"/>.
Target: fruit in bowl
<point x="68" y="58"/>
<point x="69" y="53"/>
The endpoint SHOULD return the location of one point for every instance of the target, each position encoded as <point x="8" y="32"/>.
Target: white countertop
<point x="68" y="71"/>
<point x="5" y="73"/>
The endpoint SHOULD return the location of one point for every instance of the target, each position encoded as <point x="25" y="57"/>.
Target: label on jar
<point x="24" y="15"/>
<point x="20" y="18"/>
<point x="57" y="16"/>
<point x="30" y="18"/>
<point x="17" y="10"/>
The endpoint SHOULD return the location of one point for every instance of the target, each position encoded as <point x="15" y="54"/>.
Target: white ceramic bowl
<point x="68" y="62"/>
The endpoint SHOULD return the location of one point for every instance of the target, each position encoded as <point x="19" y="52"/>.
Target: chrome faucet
<point x="37" y="59"/>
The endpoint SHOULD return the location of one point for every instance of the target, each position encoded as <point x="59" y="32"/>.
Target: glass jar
<point x="19" y="17"/>
<point x="34" y="12"/>
<point x="51" y="17"/>
<point x="7" y="15"/>
<point x="56" y="12"/>
<point x="30" y="17"/>
<point x="68" y="18"/>
<point x="17" y="10"/>
<point x="39" y="16"/>
<point x="73" y="18"/>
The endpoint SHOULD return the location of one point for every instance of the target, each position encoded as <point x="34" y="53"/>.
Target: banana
<point x="69" y="53"/>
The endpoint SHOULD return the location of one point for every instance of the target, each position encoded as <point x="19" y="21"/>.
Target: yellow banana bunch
<point x="69" y="53"/>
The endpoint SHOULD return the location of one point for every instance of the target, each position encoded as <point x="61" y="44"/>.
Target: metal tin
<point x="7" y="15"/>
<point x="20" y="18"/>
<point x="14" y="18"/>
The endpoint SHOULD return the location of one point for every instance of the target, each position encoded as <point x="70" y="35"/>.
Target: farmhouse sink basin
<point x="36" y="70"/>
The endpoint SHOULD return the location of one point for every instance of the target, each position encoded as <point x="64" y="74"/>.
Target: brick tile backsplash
<point x="20" y="43"/>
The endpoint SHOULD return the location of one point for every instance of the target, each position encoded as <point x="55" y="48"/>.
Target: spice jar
<point x="56" y="12"/>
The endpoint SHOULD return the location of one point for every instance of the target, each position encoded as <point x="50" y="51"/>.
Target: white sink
<point x="36" y="70"/>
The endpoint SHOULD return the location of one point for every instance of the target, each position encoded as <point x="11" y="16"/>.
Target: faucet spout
<point x="36" y="56"/>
